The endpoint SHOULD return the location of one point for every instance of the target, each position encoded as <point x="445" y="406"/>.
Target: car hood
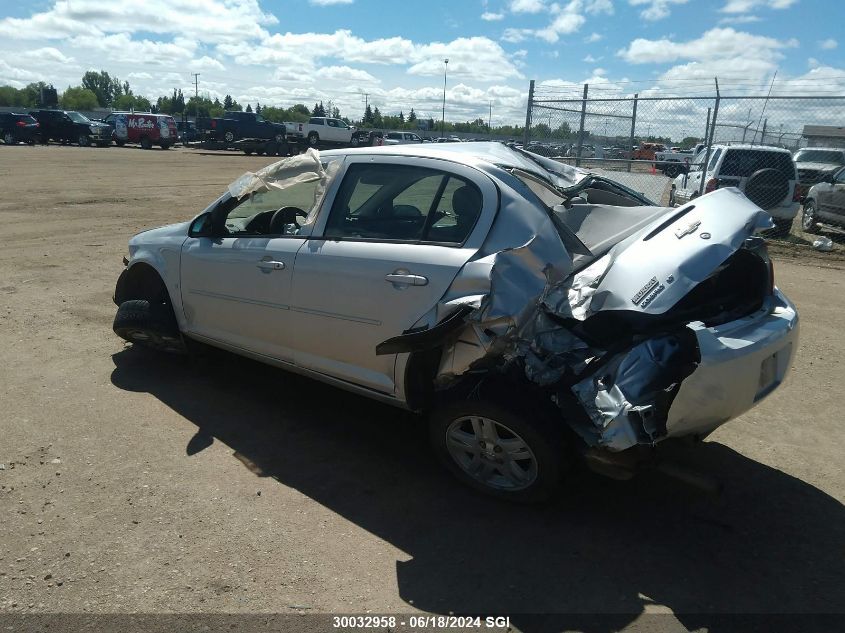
<point x="171" y="230"/>
<point x="818" y="166"/>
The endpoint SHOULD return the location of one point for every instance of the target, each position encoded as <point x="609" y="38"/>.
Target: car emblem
<point x="652" y="283"/>
<point x="705" y="236"/>
<point x="690" y="228"/>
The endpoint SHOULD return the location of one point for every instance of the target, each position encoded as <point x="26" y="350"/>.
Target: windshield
<point x="78" y="118"/>
<point x="820" y="156"/>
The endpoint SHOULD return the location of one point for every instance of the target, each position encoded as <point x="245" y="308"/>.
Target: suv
<point x="825" y="202"/>
<point x="401" y="138"/>
<point x="766" y="175"/>
<point x="71" y="127"/>
<point x="16" y="128"/>
<point x="814" y="164"/>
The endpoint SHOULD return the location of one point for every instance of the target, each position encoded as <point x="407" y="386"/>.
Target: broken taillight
<point x="796" y="194"/>
<point x="711" y="185"/>
<point x="20" y="123"/>
<point x="771" y="277"/>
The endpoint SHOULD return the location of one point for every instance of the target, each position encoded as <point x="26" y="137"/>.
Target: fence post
<point x="709" y="141"/>
<point x="630" y="149"/>
<point x="763" y="135"/>
<point x="581" y="126"/>
<point x="527" y="134"/>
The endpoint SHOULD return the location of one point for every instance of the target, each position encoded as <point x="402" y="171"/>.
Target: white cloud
<point x="715" y="44"/>
<point x="589" y="59"/>
<point x="212" y="20"/>
<point x="527" y="6"/>
<point x="326" y="3"/>
<point x="597" y="7"/>
<point x="656" y="9"/>
<point x="829" y="44"/>
<point x="345" y="73"/>
<point x="488" y="16"/>
<point x="593" y="37"/>
<point x="744" y="6"/>
<point x="733" y="20"/>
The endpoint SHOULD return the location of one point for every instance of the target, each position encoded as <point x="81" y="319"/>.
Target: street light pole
<point x="443" y="116"/>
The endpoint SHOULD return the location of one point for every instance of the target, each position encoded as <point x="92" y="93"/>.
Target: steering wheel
<point x="285" y="215"/>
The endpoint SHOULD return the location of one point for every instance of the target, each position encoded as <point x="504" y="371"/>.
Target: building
<point x="824" y="135"/>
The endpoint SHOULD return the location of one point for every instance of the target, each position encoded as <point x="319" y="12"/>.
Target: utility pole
<point x="490" y="118"/>
<point x="443" y="116"/>
<point x="366" y="102"/>
<point x="196" y="85"/>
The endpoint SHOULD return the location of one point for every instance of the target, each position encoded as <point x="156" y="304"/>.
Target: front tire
<point x="313" y="139"/>
<point x="672" y="171"/>
<point x="83" y="141"/>
<point x="497" y="452"/>
<point x="808" y="218"/>
<point x="9" y="139"/>
<point x="151" y="325"/>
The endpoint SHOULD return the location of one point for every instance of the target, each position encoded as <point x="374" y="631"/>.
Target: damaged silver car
<point x="534" y="312"/>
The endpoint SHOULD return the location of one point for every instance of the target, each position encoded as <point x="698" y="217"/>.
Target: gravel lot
<point x="138" y="483"/>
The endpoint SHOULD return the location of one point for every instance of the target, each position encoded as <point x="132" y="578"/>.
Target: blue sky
<point x="280" y="52"/>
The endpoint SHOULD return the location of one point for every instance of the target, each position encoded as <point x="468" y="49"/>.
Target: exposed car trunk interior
<point x="600" y="226"/>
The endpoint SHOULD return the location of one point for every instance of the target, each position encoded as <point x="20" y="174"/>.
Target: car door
<point x="387" y="245"/>
<point x="236" y="286"/>
<point x="835" y="198"/>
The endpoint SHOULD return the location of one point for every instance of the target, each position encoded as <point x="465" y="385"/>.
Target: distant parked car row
<point x="67" y="126"/>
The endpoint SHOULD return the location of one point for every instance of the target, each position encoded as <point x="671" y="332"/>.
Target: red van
<point x="143" y="128"/>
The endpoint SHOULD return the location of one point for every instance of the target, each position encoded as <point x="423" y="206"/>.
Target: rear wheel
<point x="767" y="187"/>
<point x="809" y="221"/>
<point x="83" y="140"/>
<point x="313" y="139"/>
<point x="165" y="146"/>
<point x="497" y="452"/>
<point x="9" y="138"/>
<point x="672" y="171"/>
<point x="120" y="143"/>
<point x="229" y="136"/>
<point x="146" y="143"/>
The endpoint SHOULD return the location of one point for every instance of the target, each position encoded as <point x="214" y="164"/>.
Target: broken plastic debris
<point x="823" y="244"/>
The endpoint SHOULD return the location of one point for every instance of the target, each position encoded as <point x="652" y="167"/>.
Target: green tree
<point x="368" y="115"/>
<point x="132" y="102"/>
<point x="248" y="108"/>
<point x="105" y="87"/>
<point x="227" y="102"/>
<point x="378" y="121"/>
<point x="412" y="116"/>
<point x="78" y="98"/>
<point x="257" y="108"/>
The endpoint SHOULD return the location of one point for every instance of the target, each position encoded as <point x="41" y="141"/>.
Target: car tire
<point x="279" y="138"/>
<point x="9" y="139"/>
<point x="150" y="325"/>
<point x="229" y="136"/>
<point x="782" y="228"/>
<point x="165" y="146"/>
<point x="120" y="143"/>
<point x="809" y="222"/>
<point x="83" y="141"/>
<point x="767" y="187"/>
<point x="454" y="432"/>
<point x="355" y="141"/>
<point x="313" y="139"/>
<point x="248" y="152"/>
<point x="146" y="143"/>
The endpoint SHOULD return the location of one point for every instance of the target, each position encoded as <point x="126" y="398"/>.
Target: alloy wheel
<point x="491" y="453"/>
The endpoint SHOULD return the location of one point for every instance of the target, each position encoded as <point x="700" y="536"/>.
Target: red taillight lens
<point x="213" y="123"/>
<point x="20" y="123"/>
<point x="711" y="185"/>
<point x="796" y="194"/>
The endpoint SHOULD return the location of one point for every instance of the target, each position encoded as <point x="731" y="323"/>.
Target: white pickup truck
<point x="323" y="131"/>
<point x="676" y="162"/>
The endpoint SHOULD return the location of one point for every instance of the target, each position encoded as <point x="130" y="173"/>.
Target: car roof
<point x="766" y="148"/>
<point x="824" y="149"/>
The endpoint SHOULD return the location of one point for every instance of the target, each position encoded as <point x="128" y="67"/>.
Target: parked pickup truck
<point x="321" y="131"/>
<point x="676" y="162"/>
<point x="239" y="125"/>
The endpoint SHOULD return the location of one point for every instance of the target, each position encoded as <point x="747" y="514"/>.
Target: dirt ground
<point x="138" y="483"/>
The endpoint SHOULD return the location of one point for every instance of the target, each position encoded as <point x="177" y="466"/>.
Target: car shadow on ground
<point x="768" y="544"/>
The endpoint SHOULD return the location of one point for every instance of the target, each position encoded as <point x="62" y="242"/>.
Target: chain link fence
<point x="672" y="149"/>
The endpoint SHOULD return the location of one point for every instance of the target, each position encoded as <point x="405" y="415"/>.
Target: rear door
<point x="837" y="198"/>
<point x="387" y="245"/>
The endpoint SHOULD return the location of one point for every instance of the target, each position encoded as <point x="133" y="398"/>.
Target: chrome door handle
<point x="406" y="278"/>
<point x="270" y="265"/>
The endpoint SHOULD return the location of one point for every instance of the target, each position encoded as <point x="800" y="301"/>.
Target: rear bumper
<point x="741" y="363"/>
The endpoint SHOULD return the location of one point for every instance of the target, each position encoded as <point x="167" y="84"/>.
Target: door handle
<point x="270" y="265"/>
<point x="406" y="278"/>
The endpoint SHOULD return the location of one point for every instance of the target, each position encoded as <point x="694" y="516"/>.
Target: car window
<point x="253" y="215"/>
<point x="742" y="163"/>
<point x="714" y="159"/>
<point x="78" y="118"/>
<point x="403" y="203"/>
<point x="840" y="177"/>
<point x="820" y="156"/>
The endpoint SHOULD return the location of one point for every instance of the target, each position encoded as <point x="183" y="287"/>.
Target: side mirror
<point x="830" y="178"/>
<point x="201" y="227"/>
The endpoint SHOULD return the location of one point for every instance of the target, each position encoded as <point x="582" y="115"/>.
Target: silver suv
<point x="766" y="175"/>
<point x="531" y="311"/>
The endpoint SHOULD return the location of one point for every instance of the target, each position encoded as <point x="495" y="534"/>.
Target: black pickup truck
<point x="233" y="126"/>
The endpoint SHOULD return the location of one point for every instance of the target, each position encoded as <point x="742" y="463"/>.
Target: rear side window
<point x="405" y="204"/>
<point x="741" y="163"/>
